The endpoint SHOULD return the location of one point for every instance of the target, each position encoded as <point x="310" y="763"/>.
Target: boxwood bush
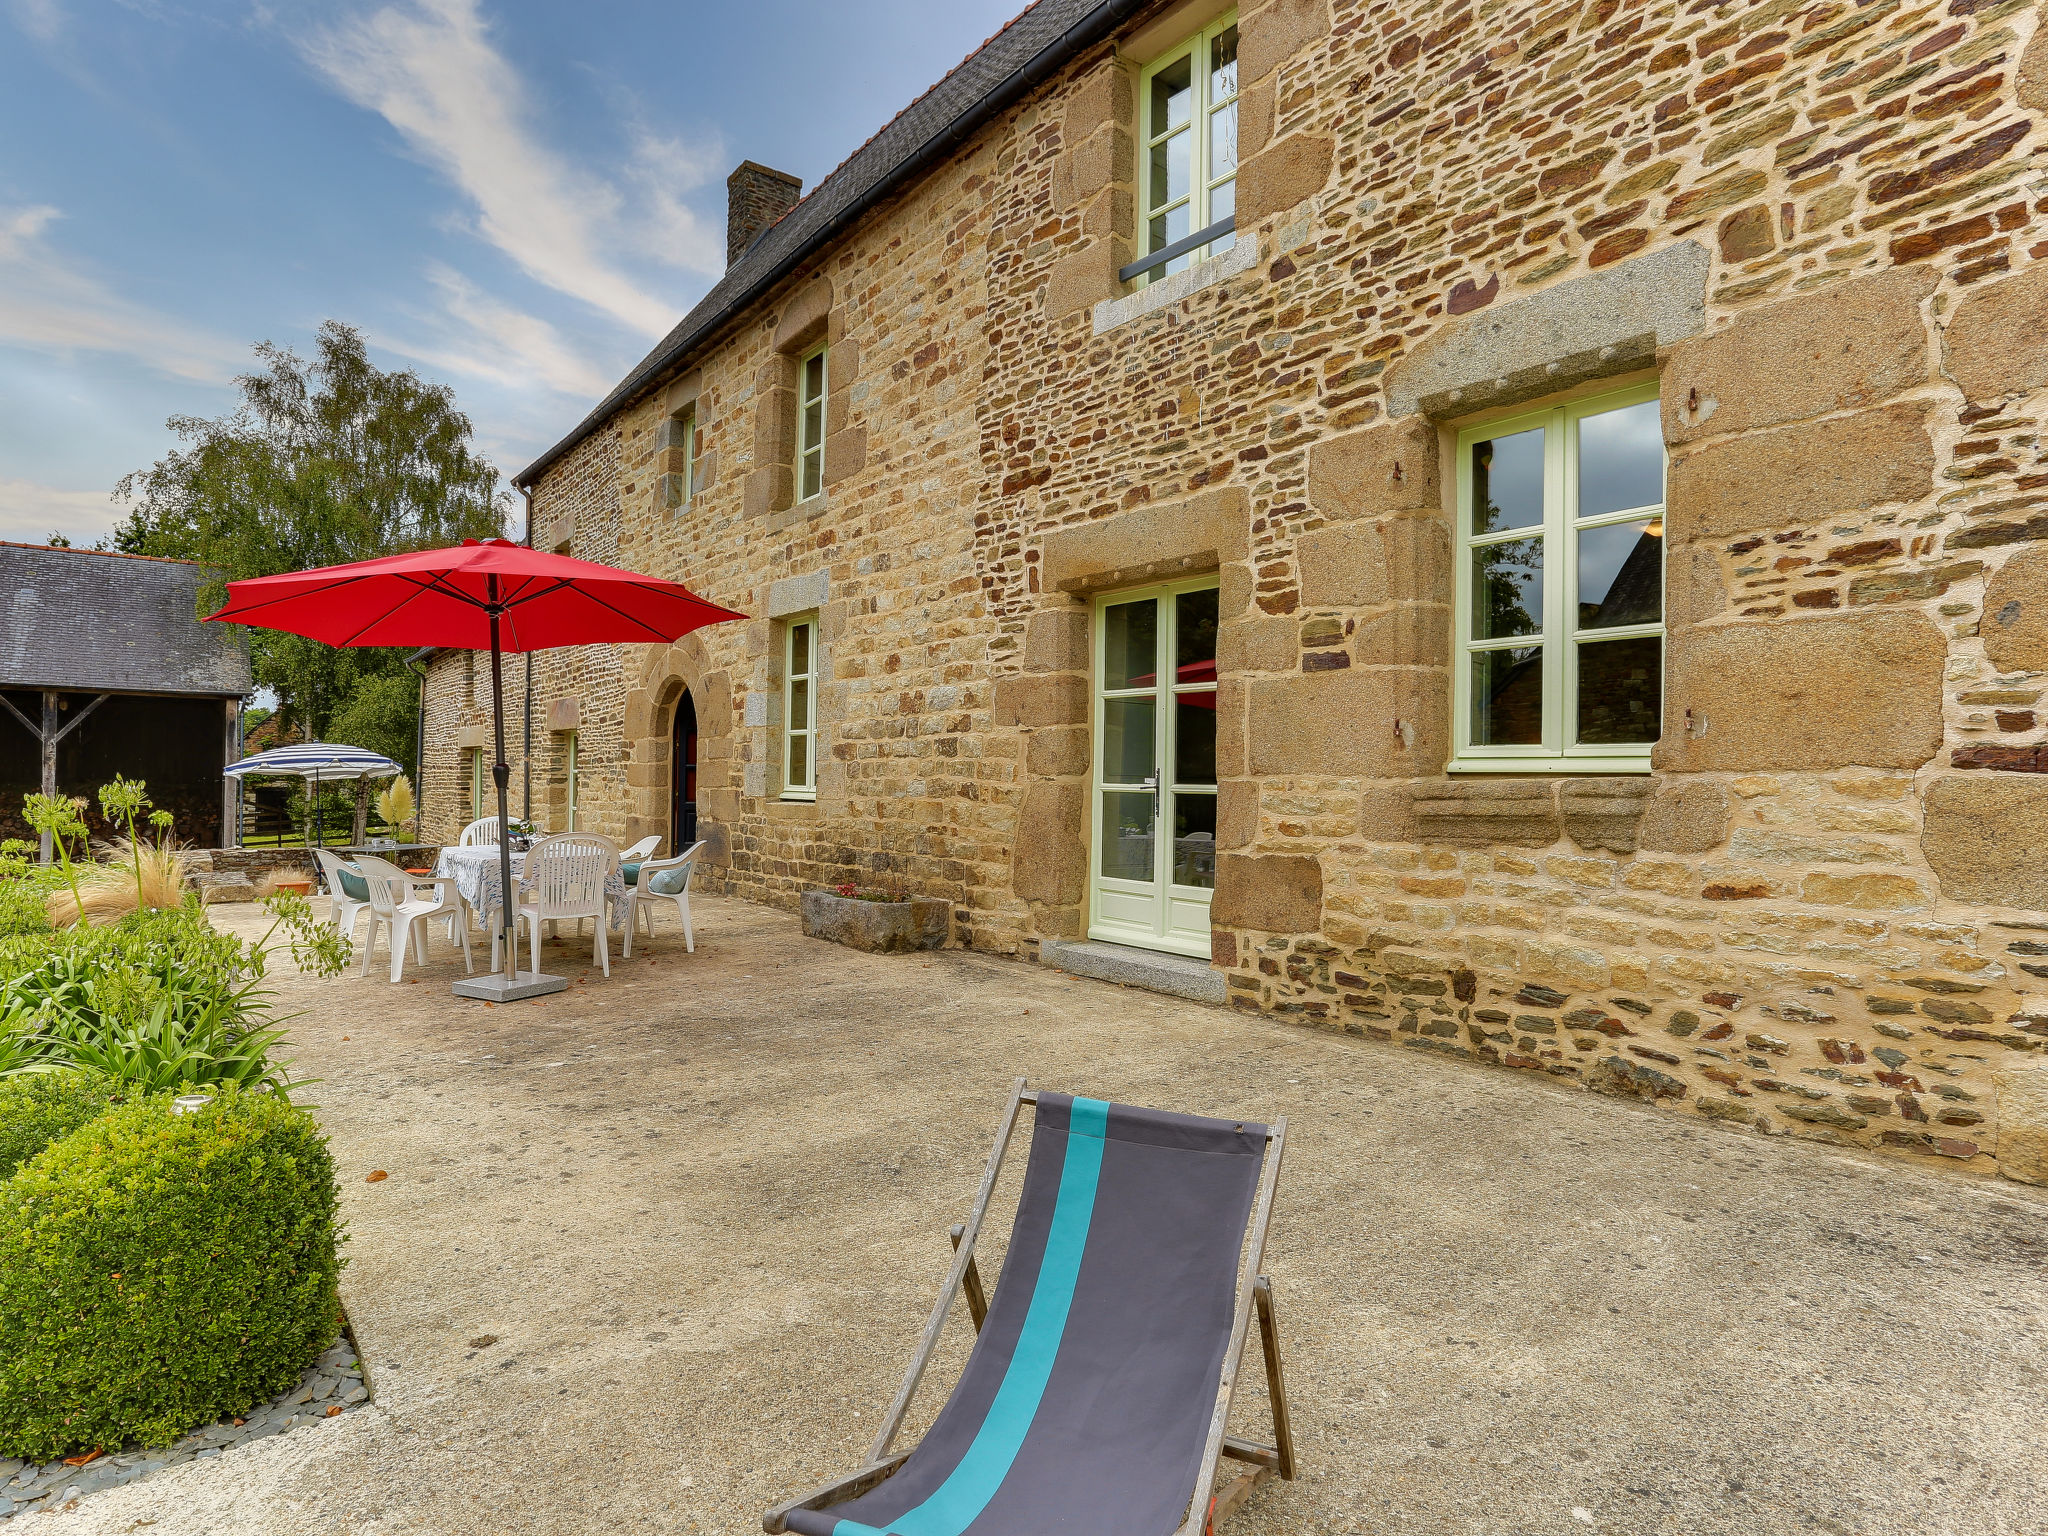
<point x="160" y="1271"/>
<point x="38" y="1108"/>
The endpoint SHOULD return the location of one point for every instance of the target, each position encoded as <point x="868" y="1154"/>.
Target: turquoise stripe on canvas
<point x="956" y="1502"/>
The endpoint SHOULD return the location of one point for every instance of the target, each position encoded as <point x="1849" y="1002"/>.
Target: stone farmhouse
<point x="1513" y="530"/>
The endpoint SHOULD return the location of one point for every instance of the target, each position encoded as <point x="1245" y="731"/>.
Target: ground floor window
<point x="476" y="783"/>
<point x="800" y="708"/>
<point x="1560" y="592"/>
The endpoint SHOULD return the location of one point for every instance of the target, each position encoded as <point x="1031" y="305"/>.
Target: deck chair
<point x="1097" y="1397"/>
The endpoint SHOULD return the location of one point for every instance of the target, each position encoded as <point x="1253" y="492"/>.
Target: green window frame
<point x="1559" y="613"/>
<point x="686" y="482"/>
<point x="476" y="783"/>
<point x="1187" y="171"/>
<point x="810" y="423"/>
<point x="800" y="708"/>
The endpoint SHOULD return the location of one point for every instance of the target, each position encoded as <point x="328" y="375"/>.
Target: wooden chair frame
<point x="1207" y="1506"/>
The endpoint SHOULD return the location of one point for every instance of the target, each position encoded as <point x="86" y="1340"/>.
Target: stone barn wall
<point x="1818" y="228"/>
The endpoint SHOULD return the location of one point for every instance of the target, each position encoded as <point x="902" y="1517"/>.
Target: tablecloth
<point x="475" y="872"/>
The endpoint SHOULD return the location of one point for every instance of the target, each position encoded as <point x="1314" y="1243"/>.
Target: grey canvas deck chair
<point x="1096" y="1399"/>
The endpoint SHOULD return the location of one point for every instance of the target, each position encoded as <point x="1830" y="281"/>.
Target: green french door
<point x="1152" y="863"/>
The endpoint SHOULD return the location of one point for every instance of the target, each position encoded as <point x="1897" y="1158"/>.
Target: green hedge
<point x="37" y="1109"/>
<point x="160" y="1271"/>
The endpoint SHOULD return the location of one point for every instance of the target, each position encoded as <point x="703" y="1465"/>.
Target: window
<point x="800" y="709"/>
<point x="1188" y="179"/>
<point x="684" y="445"/>
<point x="476" y="783"/>
<point x="810" y="425"/>
<point x="1560" y="610"/>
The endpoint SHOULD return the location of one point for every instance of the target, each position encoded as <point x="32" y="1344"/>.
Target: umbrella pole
<point x="501" y="773"/>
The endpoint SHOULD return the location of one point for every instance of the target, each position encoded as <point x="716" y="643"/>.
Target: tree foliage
<point x="323" y="462"/>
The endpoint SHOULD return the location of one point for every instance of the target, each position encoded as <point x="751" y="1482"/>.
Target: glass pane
<point x="1194" y="841"/>
<point x="1127" y="731"/>
<point x="1223" y="65"/>
<point x="1621" y="575"/>
<point x="1507" y="589"/>
<point x="1172" y="95"/>
<point x="1194" y="636"/>
<point x="814" y="422"/>
<point x="1223" y="140"/>
<point x="1621" y="460"/>
<point x="799" y="759"/>
<point x="800" y="704"/>
<point x="1621" y="691"/>
<point x="1507" y="697"/>
<point x="1194" y="738"/>
<point x="1507" y="482"/>
<point x="1172" y="173"/>
<point x="1222" y="204"/>
<point x="1127" y="835"/>
<point x="814" y="377"/>
<point x="799" y="650"/>
<point x="814" y="475"/>
<point x="1130" y="645"/>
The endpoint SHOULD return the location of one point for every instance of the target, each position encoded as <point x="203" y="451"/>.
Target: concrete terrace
<point x="654" y="1254"/>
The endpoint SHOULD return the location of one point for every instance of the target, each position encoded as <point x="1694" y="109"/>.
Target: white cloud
<point x="30" y="513"/>
<point x="431" y="70"/>
<point x="48" y="303"/>
<point x="483" y="338"/>
<point x="40" y="19"/>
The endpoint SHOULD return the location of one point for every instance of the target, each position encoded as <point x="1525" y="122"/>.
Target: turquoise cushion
<point x="669" y="882"/>
<point x="630" y="872"/>
<point x="353" y="885"/>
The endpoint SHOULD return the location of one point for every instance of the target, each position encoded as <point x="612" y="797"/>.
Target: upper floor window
<point x="800" y="709"/>
<point x="1188" y="173"/>
<point x="1560" y="593"/>
<point x="682" y="448"/>
<point x="810" y="424"/>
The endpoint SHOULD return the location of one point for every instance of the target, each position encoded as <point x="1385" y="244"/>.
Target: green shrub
<point x="160" y="1271"/>
<point x="37" y="1109"/>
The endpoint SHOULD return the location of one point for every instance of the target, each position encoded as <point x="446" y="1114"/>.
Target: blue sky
<point x="515" y="199"/>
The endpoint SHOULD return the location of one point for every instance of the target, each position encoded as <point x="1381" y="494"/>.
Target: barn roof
<point x="97" y="622"/>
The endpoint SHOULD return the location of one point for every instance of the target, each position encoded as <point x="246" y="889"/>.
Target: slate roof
<point x="1018" y="58"/>
<point x="84" y="620"/>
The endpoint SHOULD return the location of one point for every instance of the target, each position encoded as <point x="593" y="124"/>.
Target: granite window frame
<point x="1558" y="635"/>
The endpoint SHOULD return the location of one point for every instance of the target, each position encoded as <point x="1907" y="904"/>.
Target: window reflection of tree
<point x="1508" y="573"/>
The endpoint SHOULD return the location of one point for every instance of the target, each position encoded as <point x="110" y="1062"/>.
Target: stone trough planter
<point x="882" y="927"/>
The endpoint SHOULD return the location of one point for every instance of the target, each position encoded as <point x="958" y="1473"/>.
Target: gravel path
<point x="653" y="1253"/>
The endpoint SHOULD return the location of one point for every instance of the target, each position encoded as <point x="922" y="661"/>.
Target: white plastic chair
<point x="566" y="874"/>
<point x="342" y="908"/>
<point x="640" y="896"/>
<point x="405" y="916"/>
<point x="479" y="834"/>
<point x="644" y="849"/>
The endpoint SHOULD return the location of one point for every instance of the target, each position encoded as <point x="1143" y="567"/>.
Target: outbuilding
<point x="106" y="669"/>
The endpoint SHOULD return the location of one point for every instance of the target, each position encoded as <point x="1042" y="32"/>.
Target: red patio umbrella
<point x="485" y="594"/>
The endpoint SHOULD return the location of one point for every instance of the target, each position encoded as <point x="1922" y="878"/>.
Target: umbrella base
<point x="500" y="988"/>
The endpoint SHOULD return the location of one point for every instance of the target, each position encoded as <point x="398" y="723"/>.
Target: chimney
<point x="755" y="197"/>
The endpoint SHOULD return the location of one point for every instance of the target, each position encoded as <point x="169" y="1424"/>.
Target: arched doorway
<point x="682" y="818"/>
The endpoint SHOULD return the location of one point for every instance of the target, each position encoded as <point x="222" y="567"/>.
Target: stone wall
<point x="1820" y="914"/>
